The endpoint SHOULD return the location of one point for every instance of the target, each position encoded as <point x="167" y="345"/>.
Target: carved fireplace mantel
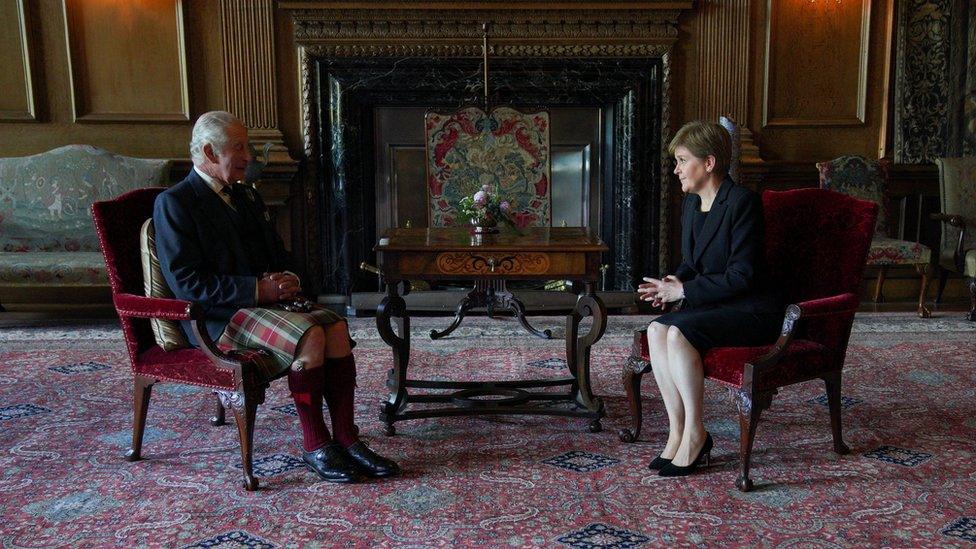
<point x="337" y="32"/>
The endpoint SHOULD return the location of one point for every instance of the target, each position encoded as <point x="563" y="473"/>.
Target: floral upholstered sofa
<point x="49" y="253"/>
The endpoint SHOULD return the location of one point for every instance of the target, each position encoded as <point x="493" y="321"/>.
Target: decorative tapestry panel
<point x="506" y="149"/>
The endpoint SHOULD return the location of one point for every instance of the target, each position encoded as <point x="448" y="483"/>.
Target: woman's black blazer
<point x="725" y="265"/>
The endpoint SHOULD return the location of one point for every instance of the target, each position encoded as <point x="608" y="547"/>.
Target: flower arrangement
<point x="485" y="208"/>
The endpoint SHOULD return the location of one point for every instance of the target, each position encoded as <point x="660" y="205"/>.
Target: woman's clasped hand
<point x="661" y="291"/>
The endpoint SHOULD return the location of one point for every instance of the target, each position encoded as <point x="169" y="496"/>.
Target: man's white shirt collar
<point x="214" y="185"/>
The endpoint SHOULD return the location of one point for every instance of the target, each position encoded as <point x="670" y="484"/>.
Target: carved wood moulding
<point x="585" y="23"/>
<point x="249" y="85"/>
<point x="463" y="50"/>
<point x="249" y="73"/>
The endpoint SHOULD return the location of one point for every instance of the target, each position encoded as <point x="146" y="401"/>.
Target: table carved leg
<point x="492" y="295"/>
<point x="505" y="396"/>
<point x="578" y="350"/>
<point x="391" y="307"/>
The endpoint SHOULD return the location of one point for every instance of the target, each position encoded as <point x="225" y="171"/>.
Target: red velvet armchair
<point x="816" y="243"/>
<point x="229" y="374"/>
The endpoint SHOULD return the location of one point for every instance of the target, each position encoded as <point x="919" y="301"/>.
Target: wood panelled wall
<point x="816" y="73"/>
<point x="17" y="64"/>
<point x="125" y="76"/>
<point x="112" y="81"/>
<point x="808" y="79"/>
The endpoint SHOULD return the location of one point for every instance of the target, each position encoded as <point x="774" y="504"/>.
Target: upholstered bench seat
<point x="52" y="268"/>
<point x="891" y="251"/>
<point x="49" y="252"/>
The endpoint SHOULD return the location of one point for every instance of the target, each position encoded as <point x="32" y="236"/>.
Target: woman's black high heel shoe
<point x="658" y="463"/>
<point x="672" y="470"/>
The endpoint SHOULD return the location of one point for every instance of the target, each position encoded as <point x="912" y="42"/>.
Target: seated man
<point x="217" y="247"/>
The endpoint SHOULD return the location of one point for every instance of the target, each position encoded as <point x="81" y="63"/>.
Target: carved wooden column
<point x="247" y="28"/>
<point x="724" y="32"/>
<point x="249" y="71"/>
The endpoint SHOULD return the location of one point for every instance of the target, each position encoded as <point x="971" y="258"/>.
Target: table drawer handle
<point x="463" y="263"/>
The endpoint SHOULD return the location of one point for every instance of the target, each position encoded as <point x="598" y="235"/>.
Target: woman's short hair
<point x="703" y="139"/>
<point x="210" y="128"/>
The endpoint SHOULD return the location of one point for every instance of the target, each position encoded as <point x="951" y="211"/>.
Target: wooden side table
<point x="537" y="253"/>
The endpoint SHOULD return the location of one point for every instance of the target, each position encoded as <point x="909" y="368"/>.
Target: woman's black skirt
<point x="716" y="326"/>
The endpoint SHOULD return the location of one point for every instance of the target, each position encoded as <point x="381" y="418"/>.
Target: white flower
<point x="480" y="198"/>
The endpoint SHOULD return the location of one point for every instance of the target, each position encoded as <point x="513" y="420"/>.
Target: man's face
<point x="229" y="164"/>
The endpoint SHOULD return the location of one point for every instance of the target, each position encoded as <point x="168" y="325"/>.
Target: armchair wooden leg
<point x="833" y="403"/>
<point x="218" y="418"/>
<point x="750" y="407"/>
<point x="245" y="412"/>
<point x="632" y="379"/>
<point x="943" y="278"/>
<point x="879" y="284"/>
<point x="142" y="391"/>
<point x="923" y="269"/>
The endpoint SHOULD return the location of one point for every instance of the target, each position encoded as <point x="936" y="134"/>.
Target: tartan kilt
<point x="275" y="330"/>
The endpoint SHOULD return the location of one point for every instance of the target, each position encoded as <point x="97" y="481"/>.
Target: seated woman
<point x="722" y="283"/>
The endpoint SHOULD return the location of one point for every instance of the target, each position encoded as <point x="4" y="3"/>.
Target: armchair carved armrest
<point x="958" y="222"/>
<point x="177" y="309"/>
<point x="833" y="306"/>
<point x="156" y="307"/>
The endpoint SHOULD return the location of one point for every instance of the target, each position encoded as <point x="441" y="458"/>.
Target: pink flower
<point x="480" y="198"/>
<point x="504" y="205"/>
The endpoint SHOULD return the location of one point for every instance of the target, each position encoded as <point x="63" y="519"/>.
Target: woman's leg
<point x="657" y="340"/>
<point x="687" y="373"/>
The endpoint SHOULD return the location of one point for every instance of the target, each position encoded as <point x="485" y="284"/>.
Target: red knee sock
<point x="339" y="389"/>
<point x="306" y="389"/>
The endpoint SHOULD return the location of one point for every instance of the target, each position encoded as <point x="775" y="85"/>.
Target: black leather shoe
<point x="332" y="463"/>
<point x="705" y="454"/>
<point x="658" y="463"/>
<point x="370" y="463"/>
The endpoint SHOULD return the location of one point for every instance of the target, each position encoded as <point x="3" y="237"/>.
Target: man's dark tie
<point x="233" y="197"/>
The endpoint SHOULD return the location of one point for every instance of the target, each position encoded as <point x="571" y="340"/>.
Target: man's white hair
<point x="210" y="128"/>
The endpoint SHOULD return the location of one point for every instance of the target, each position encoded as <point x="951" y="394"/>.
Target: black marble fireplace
<point x="348" y="93"/>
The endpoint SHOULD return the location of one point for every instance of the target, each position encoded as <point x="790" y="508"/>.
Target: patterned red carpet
<point x="910" y="481"/>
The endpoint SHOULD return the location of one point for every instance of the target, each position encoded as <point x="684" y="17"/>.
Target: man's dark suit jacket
<point x="203" y="254"/>
<point x="725" y="265"/>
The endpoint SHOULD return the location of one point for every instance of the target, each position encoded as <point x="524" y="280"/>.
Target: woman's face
<point x="693" y="172"/>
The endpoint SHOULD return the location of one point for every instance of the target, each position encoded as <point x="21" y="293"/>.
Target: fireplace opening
<point x="604" y="142"/>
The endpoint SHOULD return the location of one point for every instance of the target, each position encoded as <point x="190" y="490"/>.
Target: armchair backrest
<point x="731" y="126"/>
<point x="816" y="241"/>
<point x="957" y="192"/>
<point x="46" y="197"/>
<point x="861" y="178"/>
<point x="118" y="222"/>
